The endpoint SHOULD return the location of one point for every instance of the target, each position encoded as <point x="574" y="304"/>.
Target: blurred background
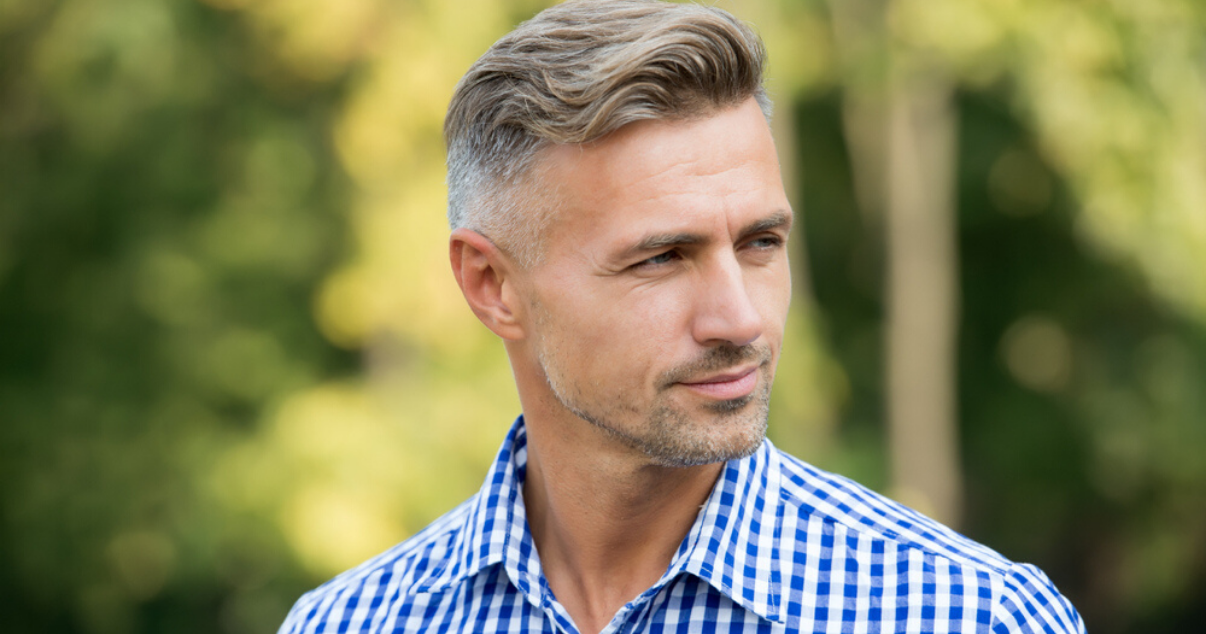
<point x="233" y="361"/>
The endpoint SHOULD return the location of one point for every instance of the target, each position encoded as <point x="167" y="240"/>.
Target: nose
<point x="725" y="312"/>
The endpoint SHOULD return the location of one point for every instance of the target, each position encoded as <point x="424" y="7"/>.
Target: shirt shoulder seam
<point x="402" y="557"/>
<point x="1001" y="567"/>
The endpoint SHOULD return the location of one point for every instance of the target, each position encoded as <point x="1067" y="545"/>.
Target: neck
<point x="606" y="523"/>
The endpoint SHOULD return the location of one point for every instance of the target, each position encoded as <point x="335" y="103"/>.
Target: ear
<point x="486" y="277"/>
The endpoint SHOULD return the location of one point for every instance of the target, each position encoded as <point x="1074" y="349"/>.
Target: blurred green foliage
<point x="233" y="362"/>
<point x="169" y="203"/>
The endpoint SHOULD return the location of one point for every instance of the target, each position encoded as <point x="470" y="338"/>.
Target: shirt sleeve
<point x="1029" y="603"/>
<point x="299" y="615"/>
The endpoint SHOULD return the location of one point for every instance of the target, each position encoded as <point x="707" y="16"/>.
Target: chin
<point x="731" y="430"/>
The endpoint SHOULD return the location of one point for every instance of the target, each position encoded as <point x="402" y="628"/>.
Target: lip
<point x="726" y="386"/>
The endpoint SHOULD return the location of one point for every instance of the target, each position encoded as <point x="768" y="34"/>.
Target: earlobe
<point x="485" y="275"/>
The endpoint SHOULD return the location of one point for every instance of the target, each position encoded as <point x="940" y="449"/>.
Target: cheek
<point x="771" y="292"/>
<point x="588" y="332"/>
<point x="635" y="333"/>
<point x="659" y="315"/>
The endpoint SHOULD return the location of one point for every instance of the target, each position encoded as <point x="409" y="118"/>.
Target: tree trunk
<point x="922" y="294"/>
<point x="900" y="130"/>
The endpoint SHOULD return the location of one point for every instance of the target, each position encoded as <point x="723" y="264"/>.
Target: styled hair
<point x="571" y="75"/>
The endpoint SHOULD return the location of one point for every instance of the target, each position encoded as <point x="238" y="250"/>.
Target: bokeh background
<point x="233" y="361"/>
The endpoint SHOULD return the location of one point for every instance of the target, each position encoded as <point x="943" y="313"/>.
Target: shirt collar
<point x="495" y="528"/>
<point x="733" y="544"/>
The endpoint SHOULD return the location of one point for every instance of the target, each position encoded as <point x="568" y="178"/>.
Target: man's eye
<point x="659" y="259"/>
<point x="767" y="242"/>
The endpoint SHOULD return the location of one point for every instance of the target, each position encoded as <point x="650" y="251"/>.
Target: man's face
<point x="659" y="305"/>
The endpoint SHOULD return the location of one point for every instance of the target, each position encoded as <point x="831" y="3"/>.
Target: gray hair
<point x="571" y="75"/>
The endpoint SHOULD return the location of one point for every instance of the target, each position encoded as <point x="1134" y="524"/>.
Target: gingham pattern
<point x="779" y="547"/>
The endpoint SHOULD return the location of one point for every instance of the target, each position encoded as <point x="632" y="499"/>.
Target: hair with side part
<point x="571" y="75"/>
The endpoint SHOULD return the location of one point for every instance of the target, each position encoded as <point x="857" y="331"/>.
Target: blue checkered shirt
<point x="779" y="547"/>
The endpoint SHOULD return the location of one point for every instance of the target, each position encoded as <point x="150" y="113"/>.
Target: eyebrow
<point x="657" y="241"/>
<point x="777" y="220"/>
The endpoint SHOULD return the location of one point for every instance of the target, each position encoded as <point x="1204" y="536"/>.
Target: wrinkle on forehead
<point x="722" y="163"/>
<point x="618" y="156"/>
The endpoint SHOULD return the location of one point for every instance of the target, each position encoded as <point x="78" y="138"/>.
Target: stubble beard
<point x="668" y="435"/>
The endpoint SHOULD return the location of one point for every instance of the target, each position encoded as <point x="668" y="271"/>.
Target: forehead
<point x="664" y="175"/>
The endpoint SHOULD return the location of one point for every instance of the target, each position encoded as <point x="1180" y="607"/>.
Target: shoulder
<point x="920" y="557"/>
<point x="363" y="594"/>
<point x="809" y="492"/>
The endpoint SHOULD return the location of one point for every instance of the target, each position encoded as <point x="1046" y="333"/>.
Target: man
<point x="619" y="222"/>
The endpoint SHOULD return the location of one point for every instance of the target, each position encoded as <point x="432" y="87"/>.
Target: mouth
<point x="726" y="386"/>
